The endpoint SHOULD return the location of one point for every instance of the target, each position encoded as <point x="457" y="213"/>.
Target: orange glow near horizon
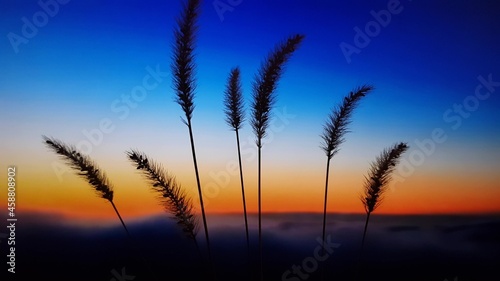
<point x="283" y="192"/>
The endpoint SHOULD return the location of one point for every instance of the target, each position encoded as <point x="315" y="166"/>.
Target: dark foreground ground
<point x="397" y="248"/>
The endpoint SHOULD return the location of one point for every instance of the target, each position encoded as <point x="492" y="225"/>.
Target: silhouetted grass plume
<point x="378" y="177"/>
<point x="234" y="110"/>
<point x="337" y="124"/>
<point x="172" y="196"/>
<point x="183" y="70"/>
<point x="376" y="182"/>
<point x="333" y="136"/>
<point x="183" y="66"/>
<point x="87" y="169"/>
<point x="264" y="97"/>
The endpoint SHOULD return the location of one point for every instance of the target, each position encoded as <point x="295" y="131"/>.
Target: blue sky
<point x="90" y="53"/>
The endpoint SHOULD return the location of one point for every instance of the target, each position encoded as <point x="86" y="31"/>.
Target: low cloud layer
<point x="428" y="247"/>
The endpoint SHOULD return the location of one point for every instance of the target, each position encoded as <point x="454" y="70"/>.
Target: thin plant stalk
<point x="243" y="190"/>
<point x="234" y="110"/>
<point x="183" y="68"/>
<point x="120" y="217"/>
<point x="324" y="205"/>
<point x="171" y="195"/>
<point x="361" y="249"/>
<point x="261" y="266"/>
<point x="87" y="169"/>
<point x="378" y="177"/>
<point x="333" y="136"/>
<point x="264" y="97"/>
<point x="376" y="182"/>
<point x="364" y="231"/>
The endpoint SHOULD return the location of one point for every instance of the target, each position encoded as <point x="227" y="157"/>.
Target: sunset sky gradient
<point x="74" y="75"/>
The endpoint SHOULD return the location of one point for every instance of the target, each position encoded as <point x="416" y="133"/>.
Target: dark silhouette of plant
<point x="173" y="198"/>
<point x="333" y="136"/>
<point x="234" y="106"/>
<point x="376" y="184"/>
<point x="378" y="177"/>
<point x="87" y="169"/>
<point x="183" y="68"/>
<point x="264" y="97"/>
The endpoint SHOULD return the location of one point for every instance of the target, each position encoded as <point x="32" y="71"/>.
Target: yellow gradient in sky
<point x="283" y="190"/>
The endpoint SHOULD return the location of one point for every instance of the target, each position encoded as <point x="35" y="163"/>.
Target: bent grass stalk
<point x="234" y="107"/>
<point x="173" y="197"/>
<point x="376" y="183"/>
<point x="87" y="169"/>
<point x="264" y="97"/>
<point x="334" y="135"/>
<point x="378" y="177"/>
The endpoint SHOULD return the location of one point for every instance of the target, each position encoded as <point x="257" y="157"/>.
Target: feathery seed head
<point x="84" y="166"/>
<point x="380" y="174"/>
<point x="174" y="199"/>
<point x="266" y="82"/>
<point x="336" y="125"/>
<point x="233" y="100"/>
<point x="183" y="66"/>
